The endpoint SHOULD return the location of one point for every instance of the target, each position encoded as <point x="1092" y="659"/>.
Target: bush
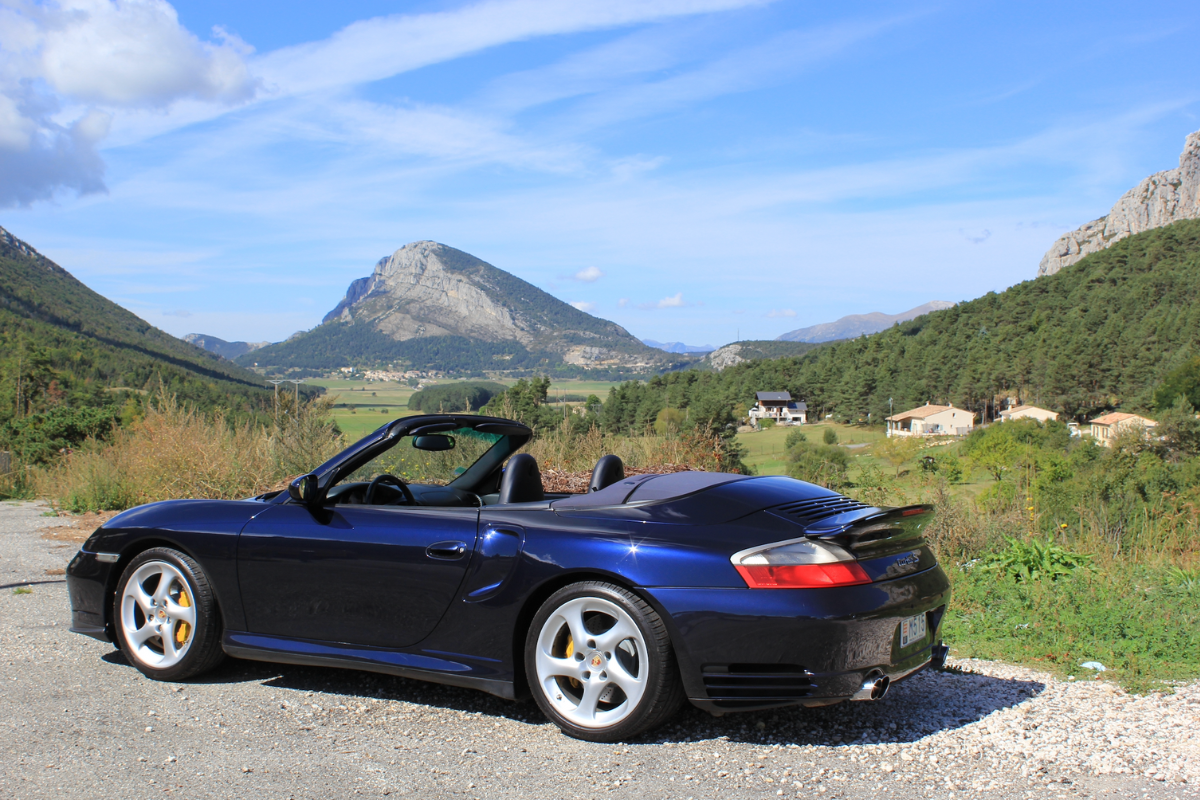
<point x="830" y="436"/>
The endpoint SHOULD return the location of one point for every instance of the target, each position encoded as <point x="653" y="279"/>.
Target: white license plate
<point x="912" y="629"/>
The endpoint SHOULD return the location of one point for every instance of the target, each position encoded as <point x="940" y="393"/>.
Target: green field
<point x="764" y="451"/>
<point x="362" y="406"/>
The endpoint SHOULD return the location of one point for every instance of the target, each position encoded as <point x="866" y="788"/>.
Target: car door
<point x="368" y="575"/>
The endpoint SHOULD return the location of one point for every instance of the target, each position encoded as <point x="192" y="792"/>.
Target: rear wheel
<point x="600" y="663"/>
<point x="167" y="621"/>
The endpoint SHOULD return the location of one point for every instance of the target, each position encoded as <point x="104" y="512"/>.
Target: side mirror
<point x="304" y="489"/>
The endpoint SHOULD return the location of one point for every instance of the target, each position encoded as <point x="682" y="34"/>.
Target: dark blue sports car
<point x="430" y="550"/>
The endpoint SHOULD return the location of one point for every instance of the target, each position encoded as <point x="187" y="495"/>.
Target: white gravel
<point x="77" y="721"/>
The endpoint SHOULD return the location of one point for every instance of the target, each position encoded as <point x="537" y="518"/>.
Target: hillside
<point x="853" y="325"/>
<point x="431" y="306"/>
<point x="1098" y="335"/>
<point x="740" y="352"/>
<point x="1163" y="198"/>
<point x="65" y="344"/>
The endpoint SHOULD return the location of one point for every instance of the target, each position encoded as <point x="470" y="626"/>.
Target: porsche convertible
<point x="430" y="550"/>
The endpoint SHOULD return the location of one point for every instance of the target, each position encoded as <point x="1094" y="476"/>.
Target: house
<point x="1027" y="412"/>
<point x="931" y="420"/>
<point x="778" y="406"/>
<point x="1105" y="428"/>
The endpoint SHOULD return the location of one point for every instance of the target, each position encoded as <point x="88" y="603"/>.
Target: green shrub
<point x="1035" y="559"/>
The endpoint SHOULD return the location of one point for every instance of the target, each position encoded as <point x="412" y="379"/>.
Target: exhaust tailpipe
<point x="875" y="687"/>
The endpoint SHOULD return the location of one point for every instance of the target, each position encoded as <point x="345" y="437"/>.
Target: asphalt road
<point x="77" y="721"/>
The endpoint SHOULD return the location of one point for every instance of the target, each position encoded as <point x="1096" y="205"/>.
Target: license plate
<point x="912" y="629"/>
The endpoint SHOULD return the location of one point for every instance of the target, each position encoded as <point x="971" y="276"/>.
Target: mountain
<point x="224" y="349"/>
<point x="62" y="343"/>
<point x="1163" y="198"/>
<point x="678" y="347"/>
<point x="849" y="327"/>
<point x="739" y="352"/>
<point x="1099" y="335"/>
<point x="436" y="307"/>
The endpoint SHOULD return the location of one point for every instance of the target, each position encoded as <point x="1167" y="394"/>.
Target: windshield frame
<point x="513" y="437"/>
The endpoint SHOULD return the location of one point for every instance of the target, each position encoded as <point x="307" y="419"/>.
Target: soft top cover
<point x="649" y="489"/>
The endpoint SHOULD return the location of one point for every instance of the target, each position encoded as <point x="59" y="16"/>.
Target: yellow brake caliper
<point x="181" y="633"/>
<point x="570" y="652"/>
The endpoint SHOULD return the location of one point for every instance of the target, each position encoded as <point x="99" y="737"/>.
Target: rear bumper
<point x="90" y="593"/>
<point x="747" y="649"/>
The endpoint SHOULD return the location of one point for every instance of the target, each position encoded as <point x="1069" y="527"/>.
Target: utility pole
<point x="297" y="382"/>
<point x="276" y="400"/>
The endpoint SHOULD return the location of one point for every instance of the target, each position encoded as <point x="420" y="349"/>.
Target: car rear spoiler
<point x="872" y="528"/>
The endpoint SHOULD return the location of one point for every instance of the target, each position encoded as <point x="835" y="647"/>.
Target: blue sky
<point x="694" y="170"/>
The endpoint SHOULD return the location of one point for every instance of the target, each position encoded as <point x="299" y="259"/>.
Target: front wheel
<point x="600" y="663"/>
<point x="167" y="621"/>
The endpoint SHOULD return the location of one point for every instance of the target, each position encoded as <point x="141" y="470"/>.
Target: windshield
<point x="430" y="467"/>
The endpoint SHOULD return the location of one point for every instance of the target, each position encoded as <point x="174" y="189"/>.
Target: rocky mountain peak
<point x="1159" y="200"/>
<point x="427" y="289"/>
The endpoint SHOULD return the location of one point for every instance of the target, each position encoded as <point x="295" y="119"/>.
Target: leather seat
<point x="609" y="470"/>
<point x="521" y="481"/>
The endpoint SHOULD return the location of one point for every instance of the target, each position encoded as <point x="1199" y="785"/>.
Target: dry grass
<point x="176" y="452"/>
<point x="560" y="450"/>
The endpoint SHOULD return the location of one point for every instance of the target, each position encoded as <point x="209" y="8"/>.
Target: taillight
<point x="798" y="564"/>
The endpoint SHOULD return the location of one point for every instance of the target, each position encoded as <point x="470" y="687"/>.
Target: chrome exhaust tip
<point x="875" y="687"/>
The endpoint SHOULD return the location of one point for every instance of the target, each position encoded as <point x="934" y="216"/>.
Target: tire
<point x="600" y="663"/>
<point x="166" y="618"/>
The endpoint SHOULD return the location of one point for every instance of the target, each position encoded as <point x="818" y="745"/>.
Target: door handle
<point x="447" y="551"/>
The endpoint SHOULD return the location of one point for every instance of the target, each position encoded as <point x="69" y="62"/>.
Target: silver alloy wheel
<point x="158" y="614"/>
<point x="591" y="662"/>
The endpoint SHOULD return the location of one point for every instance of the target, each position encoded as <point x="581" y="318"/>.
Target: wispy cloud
<point x="780" y="312"/>
<point x="674" y="301"/>
<point x="584" y="306"/>
<point x="379" y="48"/>
<point x="589" y="274"/>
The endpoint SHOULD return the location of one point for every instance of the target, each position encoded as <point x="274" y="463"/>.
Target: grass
<point x="362" y="406"/>
<point x="1142" y="625"/>
<point x="23" y="590"/>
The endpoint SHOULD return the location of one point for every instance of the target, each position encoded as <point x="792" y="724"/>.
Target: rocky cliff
<point x="1159" y="200"/>
<point x="427" y="293"/>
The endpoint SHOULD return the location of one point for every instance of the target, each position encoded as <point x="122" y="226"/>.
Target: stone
<point x="1163" y="198"/>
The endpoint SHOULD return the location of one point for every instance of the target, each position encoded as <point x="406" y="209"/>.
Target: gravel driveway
<point x="77" y="721"/>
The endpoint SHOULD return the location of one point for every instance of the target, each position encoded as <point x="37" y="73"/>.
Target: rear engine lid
<point x="845" y="543"/>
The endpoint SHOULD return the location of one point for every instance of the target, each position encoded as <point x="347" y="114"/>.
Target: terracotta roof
<point x="927" y="410"/>
<point x="1119" y="416"/>
<point x="1024" y="407"/>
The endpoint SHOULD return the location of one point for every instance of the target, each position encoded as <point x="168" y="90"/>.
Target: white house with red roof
<point x="1105" y="428"/>
<point x="931" y="420"/>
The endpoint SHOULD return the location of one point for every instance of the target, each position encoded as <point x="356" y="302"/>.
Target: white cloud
<point x="585" y="306"/>
<point x="780" y="312"/>
<point x="675" y="301"/>
<point x="82" y="59"/>
<point x="624" y="301"/>
<point x="589" y="275"/>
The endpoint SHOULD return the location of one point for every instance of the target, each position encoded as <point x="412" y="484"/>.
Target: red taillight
<point x="802" y="576"/>
<point x="798" y="564"/>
